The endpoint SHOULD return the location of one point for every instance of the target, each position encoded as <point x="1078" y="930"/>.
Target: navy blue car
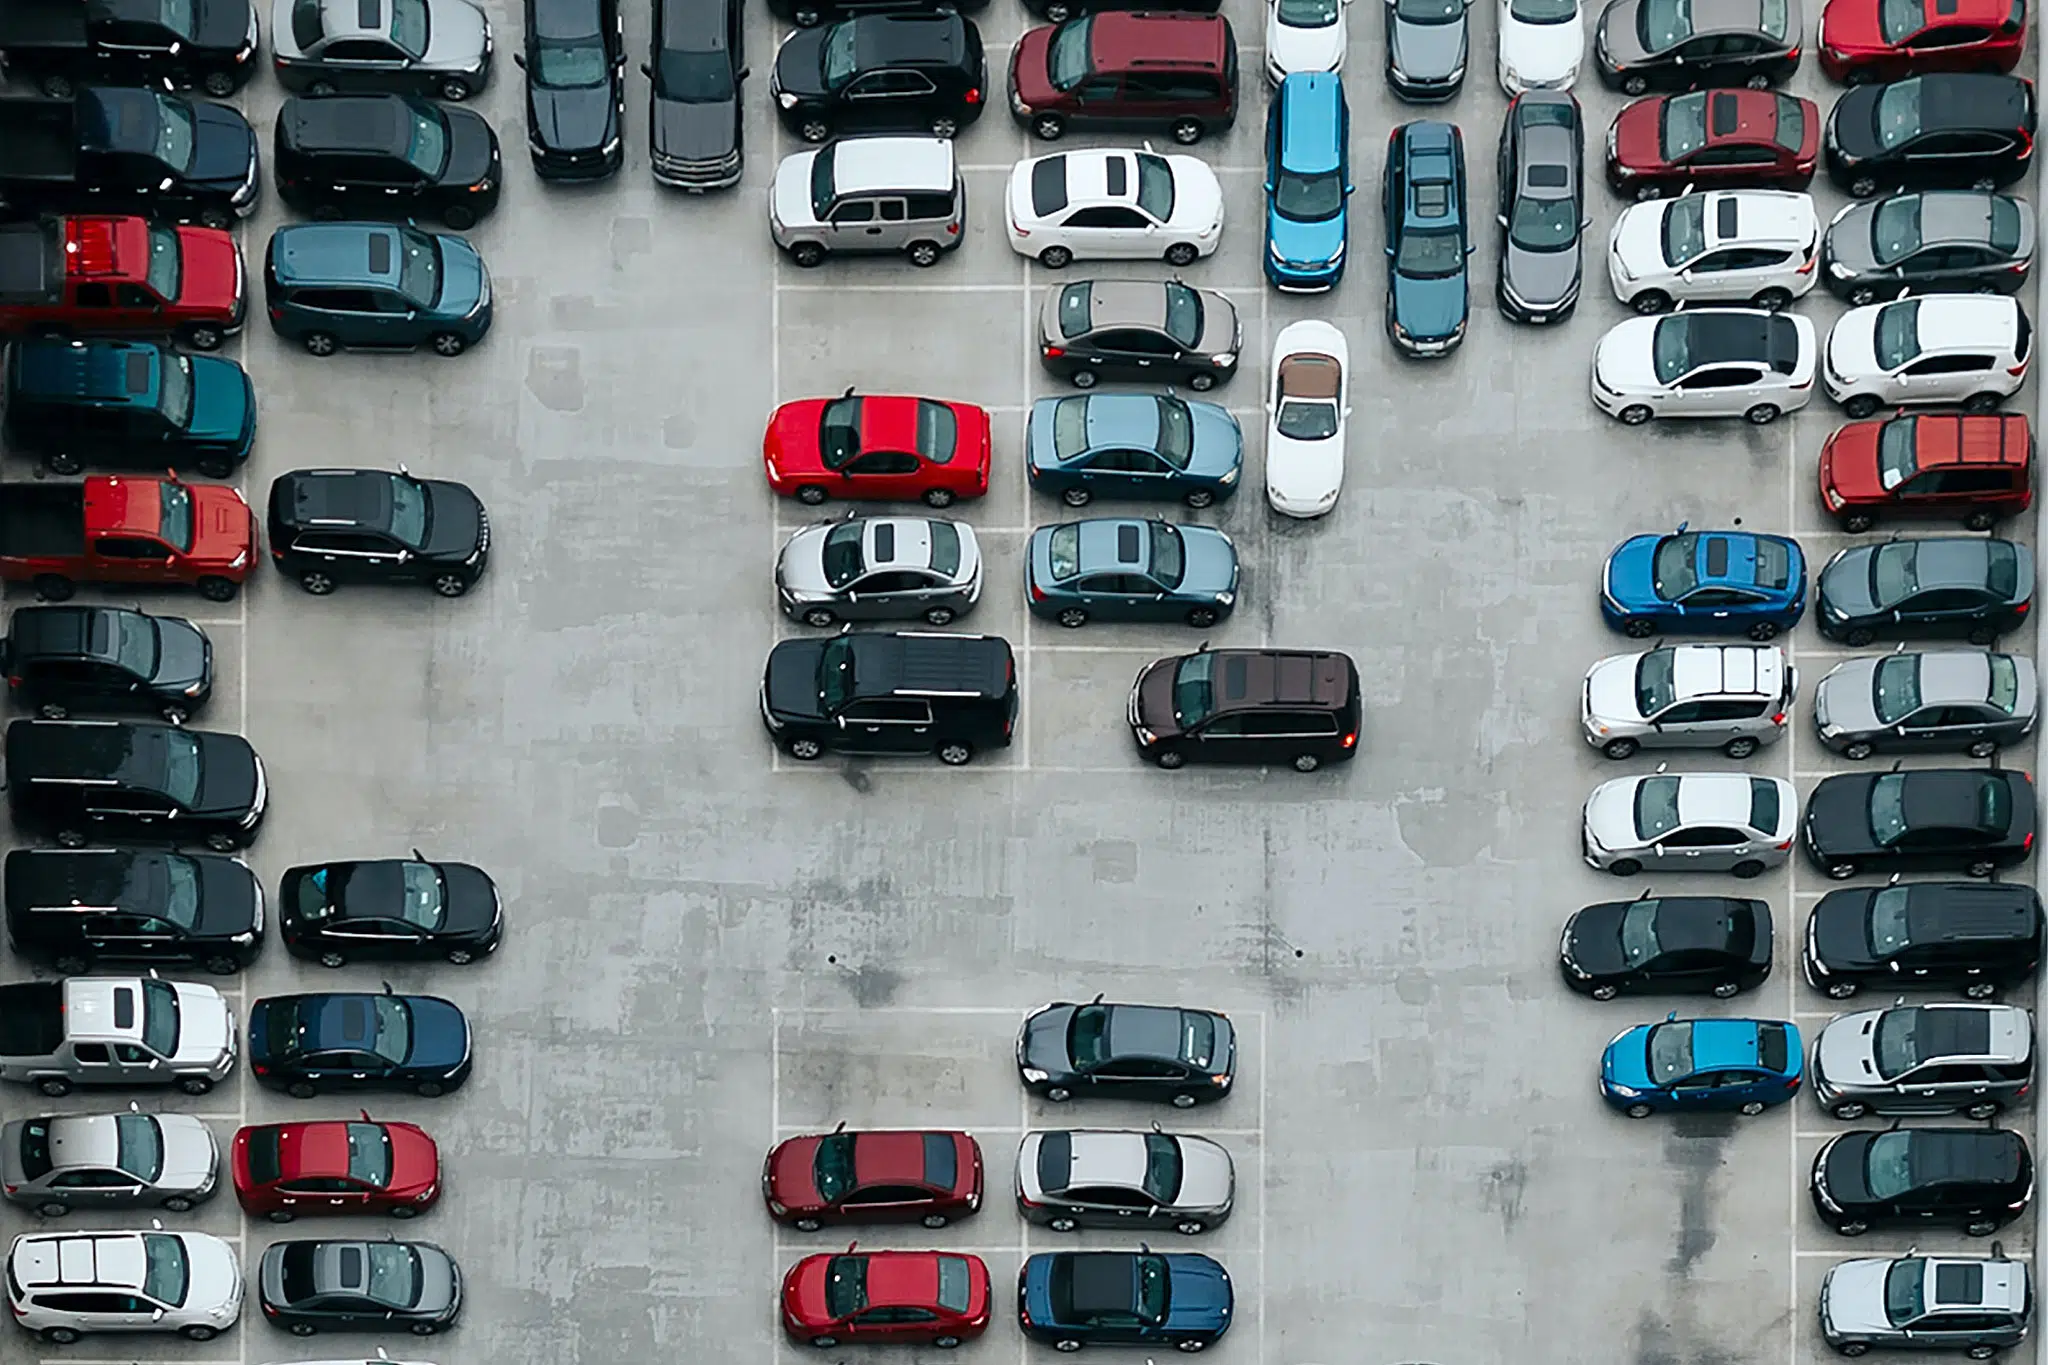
<point x="1071" y="1299"/>
<point x="1429" y="238"/>
<point x="352" y="1040"/>
<point x="1704" y="583"/>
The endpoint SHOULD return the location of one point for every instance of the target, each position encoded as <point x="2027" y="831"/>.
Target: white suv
<point x="62" y="1285"/>
<point x="1109" y="204"/>
<point x="1755" y="246"/>
<point x="1970" y="349"/>
<point x="1716" y="362"/>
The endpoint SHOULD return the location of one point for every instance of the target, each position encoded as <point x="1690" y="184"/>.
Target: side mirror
<point x="647" y="70"/>
<point x="164" y="183"/>
<point x="156" y="1315"/>
<point x="745" y="72"/>
<point x="1585" y="223"/>
<point x="1390" y="251"/>
<point x="519" y="60"/>
<point x="1501" y="218"/>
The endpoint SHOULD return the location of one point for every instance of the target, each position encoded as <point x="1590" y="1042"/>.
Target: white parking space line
<point x="878" y="287"/>
<point x="1794" y="936"/>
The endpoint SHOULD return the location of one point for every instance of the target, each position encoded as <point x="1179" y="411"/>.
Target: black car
<point x="61" y="44"/>
<point x="811" y="13"/>
<point x="1969" y="241"/>
<point x="70" y="779"/>
<point x="64" y="658"/>
<point x="1673" y="945"/>
<point x="109" y="149"/>
<point x="1973" y="1179"/>
<point x="1157" y="331"/>
<point x="76" y="908"/>
<point x="1136" y="1052"/>
<point x="1542" y="207"/>
<point x="881" y="73"/>
<point x="318" y="1286"/>
<point x="1932" y="131"/>
<point x="388" y="909"/>
<point x="693" y="114"/>
<point x="575" y="93"/>
<point x="306" y="1045"/>
<point x="385" y="157"/>
<point x="1973" y="586"/>
<point x="915" y="692"/>
<point x="334" y="526"/>
<point x="1978" y="937"/>
<point x="1973" y="820"/>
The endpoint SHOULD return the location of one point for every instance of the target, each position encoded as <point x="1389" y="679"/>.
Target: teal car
<point x="375" y="287"/>
<point x="127" y="405"/>
<point x="1132" y="445"/>
<point x="1130" y="569"/>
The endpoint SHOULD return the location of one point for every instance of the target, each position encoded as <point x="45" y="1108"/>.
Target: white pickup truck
<point x="115" y="1030"/>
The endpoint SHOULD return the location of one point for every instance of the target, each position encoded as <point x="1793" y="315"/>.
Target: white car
<point x="1690" y="822"/>
<point x="1724" y="246"/>
<point x="1304" y="35"/>
<point x="1112" y="204"/>
<point x="1541" y="44"/>
<point x="61" y="1285"/>
<point x="1717" y="362"/>
<point x="1970" y="349"/>
<point x="1306" y="408"/>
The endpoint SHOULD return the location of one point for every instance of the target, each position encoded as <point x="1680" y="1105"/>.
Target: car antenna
<point x="848" y="393"/>
<point x="1098" y="997"/>
<point x="1895" y="1124"/>
<point x="1204" y="648"/>
<point x="846" y="627"/>
<point x="1895" y="879"/>
<point x="418" y="856"/>
<point x="403" y="470"/>
<point x="134" y="1108"/>
<point x="388" y="990"/>
<point x="1681" y="528"/>
<point x="1898" y="763"/>
<point x="366" y="1116"/>
<point x="1646" y="894"/>
<point x="1156" y="1128"/>
<point x="1671" y="1018"/>
<point x="841" y="1127"/>
<point x="850" y="1246"/>
<point x="1661" y="767"/>
<point x="1899" y="648"/>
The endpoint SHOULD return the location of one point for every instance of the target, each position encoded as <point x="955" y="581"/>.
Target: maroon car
<point x="1125" y="72"/>
<point x="872" y="1177"/>
<point x="1713" y="139"/>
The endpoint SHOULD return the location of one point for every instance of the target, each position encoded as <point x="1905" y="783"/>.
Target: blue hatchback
<point x="1133" y="445"/>
<point x="1072" y="1299"/>
<point x="1688" y="1065"/>
<point x="1308" y="182"/>
<point x="1705" y="583"/>
<point x="1429" y="238"/>
<point x="1129" y="569"/>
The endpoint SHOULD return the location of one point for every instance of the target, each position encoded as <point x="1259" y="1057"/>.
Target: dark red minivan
<point x="1976" y="469"/>
<point x="1127" y="72"/>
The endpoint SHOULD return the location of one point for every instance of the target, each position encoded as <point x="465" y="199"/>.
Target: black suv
<point x="61" y="659"/>
<point x="385" y="157"/>
<point x="1973" y="820"/>
<point x="1972" y="936"/>
<point x="1973" y="1179"/>
<point x="75" y="908"/>
<point x="1293" y="706"/>
<point x="125" y="780"/>
<point x="693" y="114"/>
<point x="881" y="73"/>
<point x="1932" y="131"/>
<point x="333" y="526"/>
<point x="916" y="692"/>
<point x="575" y="89"/>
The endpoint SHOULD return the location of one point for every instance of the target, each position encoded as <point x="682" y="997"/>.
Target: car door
<point x="1943" y="378"/>
<point x="1705" y="847"/>
<point x="1223" y="740"/>
<point x="886" y="99"/>
<point x="1133" y="353"/>
<point x="142" y="815"/>
<point x="131" y="938"/>
<point x="1937" y="1085"/>
<point x="1722" y="390"/>
<point x="888" y="725"/>
<point x="137" y="559"/>
<point x="855" y="224"/>
<point x="366" y="64"/>
<point x="329" y="1194"/>
<point x="1111" y="232"/>
<point x="1097" y="98"/>
<point x="95" y="1187"/>
<point x="887" y="595"/>
<point x="887" y="1203"/>
<point x="349" y="556"/>
<point x="887" y="474"/>
<point x="386" y="938"/>
<point x="1947" y="610"/>
<point x="370" y="185"/>
<point x="345" y="1070"/>
<point x="890" y="1322"/>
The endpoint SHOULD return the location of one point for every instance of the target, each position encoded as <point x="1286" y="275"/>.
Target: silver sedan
<point x="1946" y="699"/>
<point x="1083" y="1178"/>
<point x="879" y="569"/>
<point x="55" y="1164"/>
<point x="1690" y="822"/>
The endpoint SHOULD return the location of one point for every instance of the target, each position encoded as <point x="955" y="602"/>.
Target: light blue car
<point x="1133" y="445"/>
<point x="1130" y="569"/>
<point x="1308" y="182"/>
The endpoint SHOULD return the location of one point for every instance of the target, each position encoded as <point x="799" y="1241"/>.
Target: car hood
<point x="440" y="1035"/>
<point x="1852" y="123"/>
<point x="227" y="774"/>
<point x="790" y="197"/>
<point x="231" y="899"/>
<point x="205" y="1025"/>
<point x="472" y="148"/>
<point x="223" y="145"/>
<point x="473" y="903"/>
<point x="1623" y="361"/>
<point x="1838" y="815"/>
<point x="183" y="655"/>
<point x="800" y="62"/>
<point x="1429" y="308"/>
<point x="1043" y="1043"/>
<point x="801" y="566"/>
<point x="1854" y="1294"/>
<point x="1426" y="51"/>
<point x="458" y="520"/>
<point x="464" y="283"/>
<point x="1154" y="690"/>
<point x="1617" y="37"/>
<point x="1841" y="1166"/>
<point x="1210" y="562"/>
<point x="1592" y="938"/>
<point x="1541" y="277"/>
<point x="1840" y="931"/>
<point x="1543" y="54"/>
<point x="440" y="1284"/>
<point x="1611" y="689"/>
<point x="1309" y="243"/>
<point x="212" y="275"/>
<point x="1627" y="1059"/>
<point x="222" y="25"/>
<point x="191" y="1154"/>
<point x="792" y="1175"/>
<point x="1303" y="474"/>
<point x="1852" y="342"/>
<point x="1637" y="239"/>
<point x="695" y="132"/>
<point x="1848" y="238"/>
<point x="458" y="36"/>
<point x="1207" y="1179"/>
<point x="1218" y="444"/>
<point x="1611" y="814"/>
<point x="1845" y="582"/>
<point x="1631" y="567"/>
<point x="1846" y="1054"/>
<point x="1844" y="698"/>
<point x="573" y="119"/>
<point x="223" y="402"/>
<point x="1305" y="49"/>
<point x="1201" y="1297"/>
<point x="791" y="680"/>
<point x="216" y="1277"/>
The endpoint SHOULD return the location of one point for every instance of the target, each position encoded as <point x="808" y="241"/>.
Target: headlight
<point x="1273" y="250"/>
<point x="1835" y="501"/>
<point x="1222" y="1078"/>
<point x="239" y="560"/>
<point x="1597" y="728"/>
<point x="1225" y="359"/>
<point x="1400" y="331"/>
<point x="1626" y="1092"/>
<point x="610" y="146"/>
<point x="1145" y="736"/>
<point x="785" y="99"/>
<point x="1578" y="973"/>
<point x="1625" y="171"/>
<point x="244" y="939"/>
<point x="1338" y="254"/>
<point x="195" y="689"/>
<point x="1033" y="1076"/>
<point x="1230" y="479"/>
<point x="1224" y="599"/>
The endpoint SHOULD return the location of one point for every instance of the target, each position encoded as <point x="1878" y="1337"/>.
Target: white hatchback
<point x="61" y="1285"/>
<point x="1114" y="204"/>
<point x="1690" y="822"/>
<point x="1541" y="44"/>
<point x="1723" y="246"/>
<point x="1970" y="349"/>
<point x="1304" y="35"/>
<point x="1716" y="362"/>
<point x="1306" y="409"/>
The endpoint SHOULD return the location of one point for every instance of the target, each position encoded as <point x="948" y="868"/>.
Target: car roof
<point x="1121" y="40"/>
<point x="1956" y="216"/>
<point x="694" y="25"/>
<point x="1739" y="115"/>
<point x="896" y="542"/>
<point x="103" y="1258"/>
<point x="349" y="123"/>
<point x="335" y="253"/>
<point x="1976" y="1282"/>
<point x="1950" y="912"/>
<point x="1102" y="1281"/>
<point x="1757" y="216"/>
<point x="1974" y="100"/>
<point x="1714" y="799"/>
<point x="1106" y="544"/>
<point x="1107" y="1158"/>
<point x="1548" y="162"/>
<point x="1144" y="1031"/>
<point x="940" y="39"/>
<point x="930" y="663"/>
<point x="85" y="1140"/>
<point x="913" y="164"/>
<point x="1088" y="173"/>
<point x="335" y="497"/>
<point x="1941" y="439"/>
<point x="1941" y="1156"/>
<point x="344" y="17"/>
<point x="1947" y="797"/>
<point x="1967" y="322"/>
<point x="1244" y="679"/>
<point x="92" y="371"/>
<point x="1954" y="675"/>
<point x="68" y="748"/>
<point x="1727" y="16"/>
<point x="1947" y="561"/>
<point x="564" y="19"/>
<point x="1311" y="121"/>
<point x="1722" y="336"/>
<point x="69" y="631"/>
<point x="908" y="1278"/>
<point x="1727" y="670"/>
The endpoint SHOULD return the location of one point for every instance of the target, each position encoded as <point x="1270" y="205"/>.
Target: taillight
<point x="2022" y="608"/>
<point x="1778" y="719"/>
<point x="952" y="229"/>
<point x="1785" y="847"/>
<point x="973" y="96"/>
<point x="1793" y="55"/>
<point x="2027" y="843"/>
<point x="1807" y="269"/>
<point x="2026" y="144"/>
<point x="1350" y="739"/>
<point x="259" y="1068"/>
<point x="1037" y="593"/>
<point x="2017" y="370"/>
<point x="1054" y="352"/>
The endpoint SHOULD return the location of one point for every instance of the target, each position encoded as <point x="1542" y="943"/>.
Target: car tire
<point x="1200" y="498"/>
<point x="451" y="584"/>
<point x="1773" y="300"/>
<point x="424" y="1329"/>
<point x="1726" y="990"/>
<point x="1059" y="1094"/>
<point x="1056" y="258"/>
<point x="320" y="343"/>
<point x="1748" y="869"/>
<point x="814" y="130"/>
<point x="1859" y="637"/>
<point x="935" y="1220"/>
<point x="330" y="958"/>
<point x="54" y="587"/>
<point x="222" y="966"/>
<point x="1861" y="405"/>
<point x="1763" y="414"/>
<point x="1048" y="127"/>
<point x="1624" y="867"/>
<point x="1651" y="302"/>
<point x="455" y="90"/>
<point x="1983" y="635"/>
<point x="1182" y="254"/>
<point x="177" y="1203"/>
<point x="924" y="255"/>
<point x="317" y="582"/>
<point x="302" y="1090"/>
<point x="216" y="589"/>
<point x="1058" y="12"/>
<point x="71" y="838"/>
<point x="824" y="1343"/>
<point x="1862" y="187"/>
<point x="807" y="255"/>
<point x="70" y="964"/>
<point x="1201" y="618"/>
<point x="1856" y="1229"/>
<point x="943" y="127"/>
<point x="53" y="1209"/>
<point x="1073" y="618"/>
<point x="216" y="466"/>
<point x="939" y="497"/>
<point x="1062" y="1225"/>
<point x="57" y="87"/>
<point x="1842" y="990"/>
<point x="1076" y="496"/>
<point x="1982" y="748"/>
<point x="198" y="1331"/>
<point x="1841" y="872"/>
<point x="1764" y="630"/>
<point x="1622" y="748"/>
<point x="1981" y="1352"/>
<point x="1307" y="763"/>
<point x="1980" y="521"/>
<point x="1980" y="990"/>
<point x="204" y="336"/>
<point x="1983" y="1229"/>
<point x="1856" y="523"/>
<point x="303" y="1329"/>
<point x="1753" y="1108"/>
<point x="1183" y="1100"/>
<point x="1983" y="402"/>
<point x="955" y="753"/>
<point x="1862" y="296"/>
<point x="1849" y="1110"/>
<point x="820" y="617"/>
<point x="1645" y="193"/>
<point x="430" y="1090"/>
<point x="1083" y="379"/>
<point x="1853" y="1348"/>
<point x="812" y="495"/>
<point x="939" y="616"/>
<point x="1742" y="746"/>
<point x="1638" y="627"/>
<point x="1187" y="132"/>
<point x="1201" y="383"/>
<point x="1635" y="414"/>
<point x="1639" y="1110"/>
<point x="63" y="462"/>
<point x="320" y="88"/>
<point x="1189" y="1345"/>
<point x="1067" y="1344"/>
<point x="1635" y="85"/>
<point x="945" y="1343"/>
<point x="1191" y="1227"/>
<point x="56" y="1087"/>
<point x="220" y="841"/>
<point x="59" y="1336"/>
<point x="807" y="1225"/>
<point x="804" y="750"/>
<point x="1604" y="991"/>
<point x="808" y="17"/>
<point x="460" y="217"/>
<point x="448" y="344"/>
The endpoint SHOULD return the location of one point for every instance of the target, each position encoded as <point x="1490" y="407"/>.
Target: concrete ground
<point x="710" y="949"/>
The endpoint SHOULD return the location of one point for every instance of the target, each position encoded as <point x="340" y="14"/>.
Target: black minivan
<point x="913" y="692"/>
<point x="1973" y="1179"/>
<point x="64" y="658"/>
<point x="75" y="908"/>
<point x="70" y="779"/>
<point x="1294" y="706"/>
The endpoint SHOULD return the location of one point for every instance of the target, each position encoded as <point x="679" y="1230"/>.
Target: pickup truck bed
<point x="31" y="264"/>
<point x="42" y="520"/>
<point x="31" y="1018"/>
<point x="42" y="24"/>
<point x="38" y="140"/>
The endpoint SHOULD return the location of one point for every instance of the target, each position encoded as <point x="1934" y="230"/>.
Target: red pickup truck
<point x="119" y="276"/>
<point x="117" y="529"/>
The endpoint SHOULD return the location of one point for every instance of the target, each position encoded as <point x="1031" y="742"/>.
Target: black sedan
<point x="1941" y="241"/>
<point x="1941" y="586"/>
<point x="1974" y="936"/>
<point x="1715" y="945"/>
<point x="1137" y="1052"/>
<point x="1927" y="132"/>
<point x="1973" y="1179"/>
<point x="1972" y="820"/>
<point x="389" y="910"/>
<point x="575" y="88"/>
<point x="317" y="1286"/>
<point x="1542" y="206"/>
<point x="693" y="115"/>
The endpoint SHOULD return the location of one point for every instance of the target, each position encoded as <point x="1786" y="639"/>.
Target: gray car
<point x="1943" y="240"/>
<point x="1945" y="699"/>
<point x="57" y="1163"/>
<point x="1949" y="1058"/>
<point x="409" y="47"/>
<point x="1427" y="44"/>
<point x="879" y="569"/>
<point x="1686" y="44"/>
<point x="1091" y="1179"/>
<point x="1970" y="1304"/>
<point x="1542" y="206"/>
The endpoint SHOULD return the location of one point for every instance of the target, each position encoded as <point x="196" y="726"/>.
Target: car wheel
<point x="303" y="1329"/>
<point x="1618" y="749"/>
<point x="70" y="964"/>
<point x="1307" y="763"/>
<point x="1854" y="1348"/>
<point x="204" y="337"/>
<point x="819" y="617"/>
<point x="59" y="1336"/>
<point x="936" y="1220"/>
<point x="56" y="1087"/>
<point x="1067" y="1344"/>
<point x="320" y="343"/>
<point x="807" y="255"/>
<point x="1983" y="867"/>
<point x="808" y="1225"/>
<point x="938" y="497"/>
<point x="1861" y="296"/>
<point x="1981" y="1352"/>
<point x="1187" y="132"/>
<point x="805" y="750"/>
<point x="1189" y="1345"/>
<point x="1059" y="1094"/>
<point x="455" y="90"/>
<point x="1183" y="1100"/>
<point x="1852" y="1229"/>
<point x="1980" y="521"/>
<point x="221" y="841"/>
<point x="57" y="87"/>
<point x="448" y="344"/>
<point x="1980" y="990"/>
<point x="1200" y="498"/>
<point x="939" y="616"/>
<point x="52" y="587"/>
<point x="1638" y="627"/>
<point x="1856" y="523"/>
<point x="1773" y="300"/>
<point x="302" y="1090"/>
<point x="1076" y="497"/>
<point x="332" y="959"/>
<point x="1181" y="253"/>
<point x="1983" y="402"/>
<point x="222" y="966"/>
<point x="53" y="1209"/>
<point x="64" y="462"/>
<point x="424" y="1329"/>
<point x="1170" y="759"/>
<point x="945" y="127"/>
<point x="461" y="217"/>
<point x="1764" y="630"/>
<point x="1742" y="746"/>
<point x="1727" y="990"/>
<point x="956" y="753"/>
<point x="51" y="710"/>
<point x="1201" y="618"/>
<point x="216" y="466"/>
<point x="215" y="589"/>
<point x="198" y="1331"/>
<point x="1201" y="383"/>
<point x="1753" y="1108"/>
<point x="1624" y="867"/>
<point x="815" y="130"/>
<point x="71" y="838"/>
<point x="1842" y="990"/>
<point x="1073" y="618"/>
<point x="451" y="584"/>
<point x="1645" y="193"/>
<point x="945" y="1343"/>
<point x="1861" y="405"/>
<point x="177" y="1203"/>
<point x="1862" y="187"/>
<point x="1058" y="12"/>
<point x="824" y="1343"/>
<point x="1063" y="1225"/>
<point x="1841" y="872"/>
<point x="1604" y="991"/>
<point x="1639" y="1111"/>
<point x="1651" y="302"/>
<point x="1859" y="637"/>
<point x="1049" y="127"/>
<point x="809" y="17"/>
<point x="320" y="88"/>
<point x="1762" y="415"/>
<point x="1980" y="1229"/>
<point x="812" y="495"/>
<point x="1746" y="870"/>
<point x="1983" y="748"/>
<point x="1190" y="1227"/>
<point x="1084" y="379"/>
<point x="1635" y="414"/>
<point x="923" y="255"/>
<point x="430" y="1090"/>
<point x="1635" y="85"/>
<point x="1849" y="1109"/>
<point x="1983" y="635"/>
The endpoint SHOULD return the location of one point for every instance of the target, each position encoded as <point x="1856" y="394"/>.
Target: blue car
<point x="1128" y="569"/>
<point x="1704" y="583"/>
<point x="1072" y="1299"/>
<point x="1692" y="1065"/>
<point x="1133" y="445"/>
<point x="375" y="287"/>
<point x="1428" y="238"/>
<point x="1308" y="182"/>
<point x="307" y="1045"/>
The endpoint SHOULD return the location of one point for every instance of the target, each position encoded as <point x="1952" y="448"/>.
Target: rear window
<point x="1049" y="186"/>
<point x="938" y="431"/>
<point x="1775" y="19"/>
<point x="956" y="1283"/>
<point x="1763" y="805"/>
<point x="1069" y="427"/>
<point x="2005" y="224"/>
<point x="262" y="1151"/>
<point x="2003" y="570"/>
<point x="1076" y="309"/>
<point x="1773" y="564"/>
<point x="1994" y="805"/>
<point x="1791" y="133"/>
<point x="941" y="1161"/>
<point x="1063" y="548"/>
<point x="1772" y="1049"/>
<point x="945" y="548"/>
<point x="2005" y="683"/>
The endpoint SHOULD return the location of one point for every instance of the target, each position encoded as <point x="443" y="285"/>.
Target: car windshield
<point x="408" y="511"/>
<point x="2005" y="683"/>
<point x="1901" y="19"/>
<point x="1088" y="1035"/>
<point x="176" y="398"/>
<point x="1662" y="24"/>
<point x="1155" y="186"/>
<point x="1656" y="681"/>
<point x="130" y="637"/>
<point x="419" y="267"/>
<point x="822" y="162"/>
<point x="139" y="1146"/>
<point x="572" y="65"/>
<point x="1544" y="224"/>
<point x="1903" y="1285"/>
<point x="1674" y="570"/>
<point x="180" y="900"/>
<point x="178" y="16"/>
<point x="1197" y="1038"/>
<point x="1429" y="11"/>
<point x="1888" y="1165"/>
<point x="837" y="64"/>
<point x="1671" y="349"/>
<point x="1898" y="333"/>
<point x="1431" y="255"/>
<point x="427" y="149"/>
<point x="1894" y="572"/>
<point x="1888" y="807"/>
<point x="1889" y="927"/>
<point x="394" y="1278"/>
<point x="1897" y="1043"/>
<point x="1895" y="690"/>
<point x="1897" y="114"/>
<point x="174" y="133"/>
<point x="832" y="1167"/>
<point x="164" y="273"/>
<point x="1670" y="1051"/>
<point x="839" y="431"/>
<point x="1066" y="56"/>
<point x="1682" y="125"/>
<point x="835" y="675"/>
<point x="165" y="1276"/>
<point x="1308" y="13"/>
<point x="1639" y="933"/>
<point x="1152" y="1290"/>
<point x="945" y="548"/>
<point x="1685" y="229"/>
<point x="393" y="1040"/>
<point x="1897" y="452"/>
<point x="409" y="27"/>
<point x="1656" y="807"/>
<point x="1544" y="11"/>
<point x="1175" y="443"/>
<point x="1311" y="198"/>
<point x="1169" y="557"/>
<point x="369" y="1153"/>
<point x="181" y="766"/>
<point x="1192" y="695"/>
<point x="1313" y="419"/>
<point x="839" y="557"/>
<point x="1895" y="228"/>
<point x="174" y="512"/>
<point x="1162" y="1168"/>
<point x="694" y="77"/>
<point x="1183" y="314"/>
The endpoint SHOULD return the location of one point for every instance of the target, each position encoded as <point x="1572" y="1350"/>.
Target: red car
<point x="1713" y="140"/>
<point x="877" y="446"/>
<point x="336" y="1166"/>
<point x="886" y="1298"/>
<point x="872" y="1177"/>
<point x="1976" y="468"/>
<point x="1888" y="40"/>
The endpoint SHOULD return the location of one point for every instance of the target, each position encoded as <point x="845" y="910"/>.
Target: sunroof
<point x="1548" y="177"/>
<point x="366" y="13"/>
<point x="1127" y="544"/>
<point x="885" y="544"/>
<point x="1724" y="113"/>
<point x="1724" y="218"/>
<point x="138" y="372"/>
<point x="1116" y="175"/>
<point x="380" y="253"/>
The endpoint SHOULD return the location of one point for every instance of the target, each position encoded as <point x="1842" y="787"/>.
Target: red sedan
<point x="1888" y="40"/>
<point x="335" y="1166"/>
<point x="872" y="1177"/>
<point x="886" y="1298"/>
<point x="1712" y="140"/>
<point x="1977" y="469"/>
<point x="877" y="446"/>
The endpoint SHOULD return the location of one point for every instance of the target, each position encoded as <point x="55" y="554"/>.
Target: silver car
<point x="1727" y="697"/>
<point x="1690" y="822"/>
<point x="58" y="1163"/>
<point x="440" y="48"/>
<point x="1924" y="1059"/>
<point x="879" y="569"/>
<point x="1081" y="1178"/>
<point x="1947" y="699"/>
<point x="1976" y="1305"/>
<point x="61" y="1285"/>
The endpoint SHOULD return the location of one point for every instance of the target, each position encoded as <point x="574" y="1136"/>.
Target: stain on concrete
<point x="554" y="375"/>
<point x="1503" y="1191"/>
<point x="631" y="237"/>
<point x="679" y="432"/>
<point x="1655" y="1342"/>
<point x="1414" y="987"/>
<point x="618" y="825"/>
<point x="1695" y="1148"/>
<point x="1114" y="860"/>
